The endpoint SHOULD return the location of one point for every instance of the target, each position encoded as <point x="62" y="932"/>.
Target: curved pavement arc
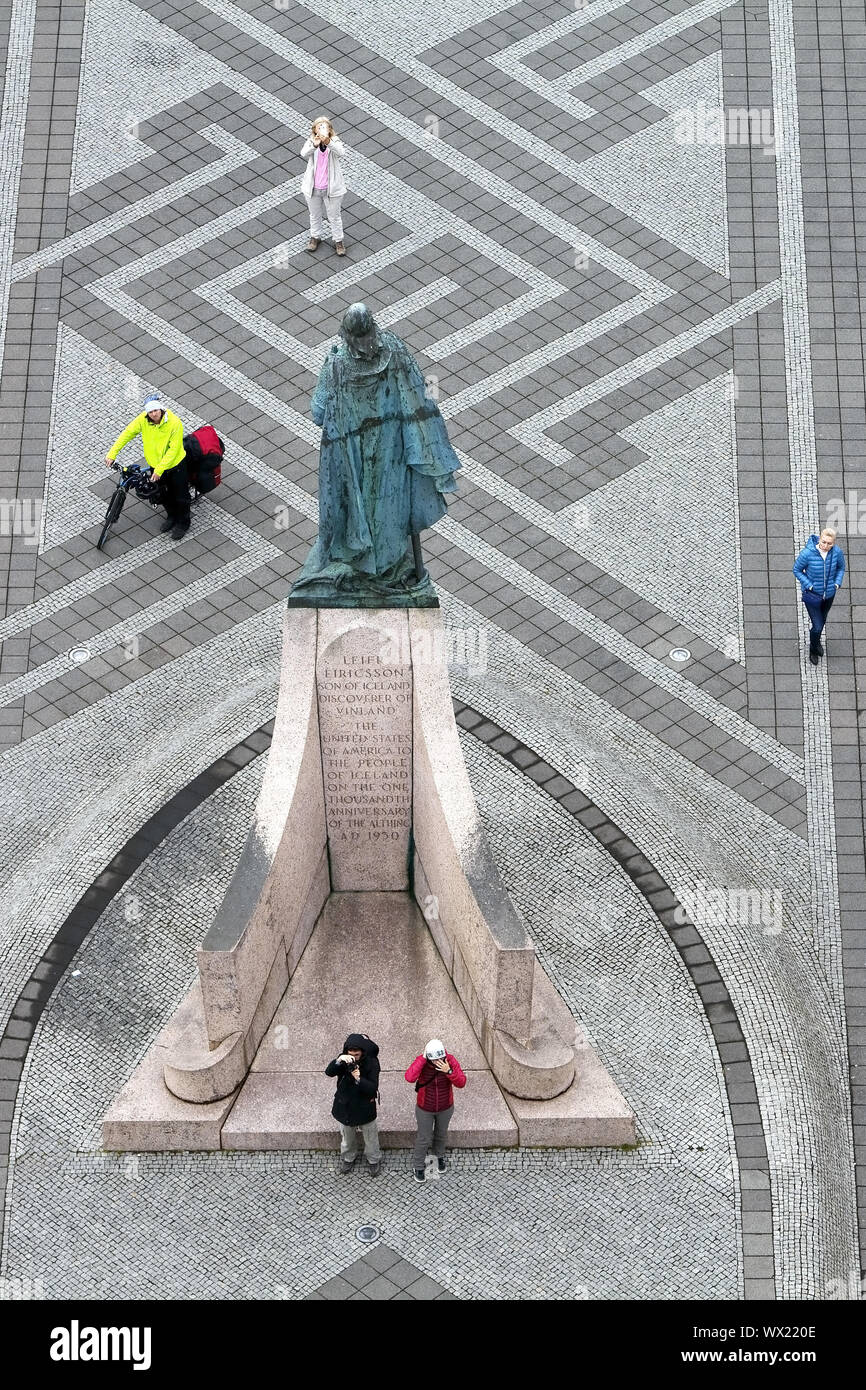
<point x="750" y="1143"/>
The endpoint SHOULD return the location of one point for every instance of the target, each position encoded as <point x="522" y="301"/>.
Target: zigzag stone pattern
<point x="582" y="338"/>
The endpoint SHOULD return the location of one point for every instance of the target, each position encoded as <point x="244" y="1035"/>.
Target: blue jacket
<point x="817" y="574"/>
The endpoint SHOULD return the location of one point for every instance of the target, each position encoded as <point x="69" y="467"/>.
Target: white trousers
<point x="320" y="207"/>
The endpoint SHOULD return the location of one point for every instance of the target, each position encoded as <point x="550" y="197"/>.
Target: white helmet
<point x="435" y="1050"/>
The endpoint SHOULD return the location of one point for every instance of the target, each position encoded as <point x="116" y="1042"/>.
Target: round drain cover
<point x="79" y="654"/>
<point x="680" y="654"/>
<point x="367" y="1234"/>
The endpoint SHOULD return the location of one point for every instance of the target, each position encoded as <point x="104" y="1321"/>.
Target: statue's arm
<point x="415" y="375"/>
<point x="438" y="459"/>
<point x="446" y="484"/>
<point x="324" y="390"/>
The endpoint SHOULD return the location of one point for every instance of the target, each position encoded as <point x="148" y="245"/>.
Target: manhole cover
<point x="79" y="654"/>
<point x="680" y="654"/>
<point x="367" y="1234"/>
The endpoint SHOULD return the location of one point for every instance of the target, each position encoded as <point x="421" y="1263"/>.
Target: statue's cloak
<point x="384" y="464"/>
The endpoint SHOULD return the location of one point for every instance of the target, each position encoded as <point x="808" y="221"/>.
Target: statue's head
<point x="359" y="332"/>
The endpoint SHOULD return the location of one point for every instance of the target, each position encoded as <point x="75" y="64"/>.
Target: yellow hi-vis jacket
<point x="162" y="443"/>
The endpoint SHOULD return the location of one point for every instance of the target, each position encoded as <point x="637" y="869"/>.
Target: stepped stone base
<point x="146" y="1118"/>
<point x="592" y="1112"/>
<point x="285" y="1111"/>
<point x="371" y="966"/>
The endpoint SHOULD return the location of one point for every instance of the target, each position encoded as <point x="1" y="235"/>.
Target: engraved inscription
<point x="365" y="712"/>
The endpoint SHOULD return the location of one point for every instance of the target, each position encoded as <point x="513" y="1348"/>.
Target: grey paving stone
<point x="402" y="1274"/>
<point x="381" y="1258"/>
<point x="381" y="1288"/>
<point x="425" y="1288"/>
<point x="337" y="1289"/>
<point x="758" y="1289"/>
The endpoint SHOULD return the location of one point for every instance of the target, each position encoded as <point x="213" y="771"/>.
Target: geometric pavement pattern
<point x="382" y="1275"/>
<point x="606" y="345"/>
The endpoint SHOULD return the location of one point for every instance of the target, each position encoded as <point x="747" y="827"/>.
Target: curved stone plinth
<point x="544" y="1066"/>
<point x="277" y="890"/>
<point x="526" y="1031"/>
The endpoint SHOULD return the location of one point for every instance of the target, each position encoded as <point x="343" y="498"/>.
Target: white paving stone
<point x="78" y="791"/>
<point x="820" y="800"/>
<point x="86" y="381"/>
<point x="683" y="500"/>
<point x="674" y="187"/>
<point x="700" y="84"/>
<point x="133" y="68"/>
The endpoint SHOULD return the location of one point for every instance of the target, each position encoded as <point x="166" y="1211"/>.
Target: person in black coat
<point x="354" y="1108"/>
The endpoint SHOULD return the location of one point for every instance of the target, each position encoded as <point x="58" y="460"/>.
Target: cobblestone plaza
<point x="622" y="240"/>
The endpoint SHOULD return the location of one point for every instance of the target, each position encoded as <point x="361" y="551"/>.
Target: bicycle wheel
<point x="115" y="507"/>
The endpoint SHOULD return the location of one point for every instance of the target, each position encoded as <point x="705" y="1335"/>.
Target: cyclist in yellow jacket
<point x="162" y="441"/>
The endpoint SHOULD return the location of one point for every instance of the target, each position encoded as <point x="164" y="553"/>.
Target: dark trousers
<point x="817" y="608"/>
<point x="432" y="1131"/>
<point x="175" y="493"/>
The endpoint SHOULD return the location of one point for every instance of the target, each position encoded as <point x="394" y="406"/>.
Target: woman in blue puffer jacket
<point x="819" y="568"/>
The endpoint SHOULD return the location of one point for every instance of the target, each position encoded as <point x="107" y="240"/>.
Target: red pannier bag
<point x="205" y="452"/>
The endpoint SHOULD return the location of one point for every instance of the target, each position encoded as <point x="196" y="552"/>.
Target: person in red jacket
<point x="434" y="1073"/>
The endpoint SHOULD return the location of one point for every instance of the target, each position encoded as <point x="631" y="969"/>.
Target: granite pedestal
<point x="366" y="814"/>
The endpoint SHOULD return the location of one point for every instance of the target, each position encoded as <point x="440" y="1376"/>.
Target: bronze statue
<point x="385" y="465"/>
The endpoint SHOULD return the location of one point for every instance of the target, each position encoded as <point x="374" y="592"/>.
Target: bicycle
<point x="132" y="477"/>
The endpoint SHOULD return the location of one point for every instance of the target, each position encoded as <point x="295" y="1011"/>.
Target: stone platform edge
<point x="145" y="1117"/>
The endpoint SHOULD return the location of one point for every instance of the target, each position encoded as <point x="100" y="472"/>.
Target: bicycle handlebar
<point x="130" y="467"/>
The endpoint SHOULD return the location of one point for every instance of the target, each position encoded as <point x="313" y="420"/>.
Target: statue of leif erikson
<point x="385" y="467"/>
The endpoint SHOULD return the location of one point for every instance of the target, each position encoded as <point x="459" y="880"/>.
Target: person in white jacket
<point x="323" y="184"/>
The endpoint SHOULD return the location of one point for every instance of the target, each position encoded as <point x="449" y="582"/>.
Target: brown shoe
<point x="312" y="244"/>
<point x="340" y="249"/>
